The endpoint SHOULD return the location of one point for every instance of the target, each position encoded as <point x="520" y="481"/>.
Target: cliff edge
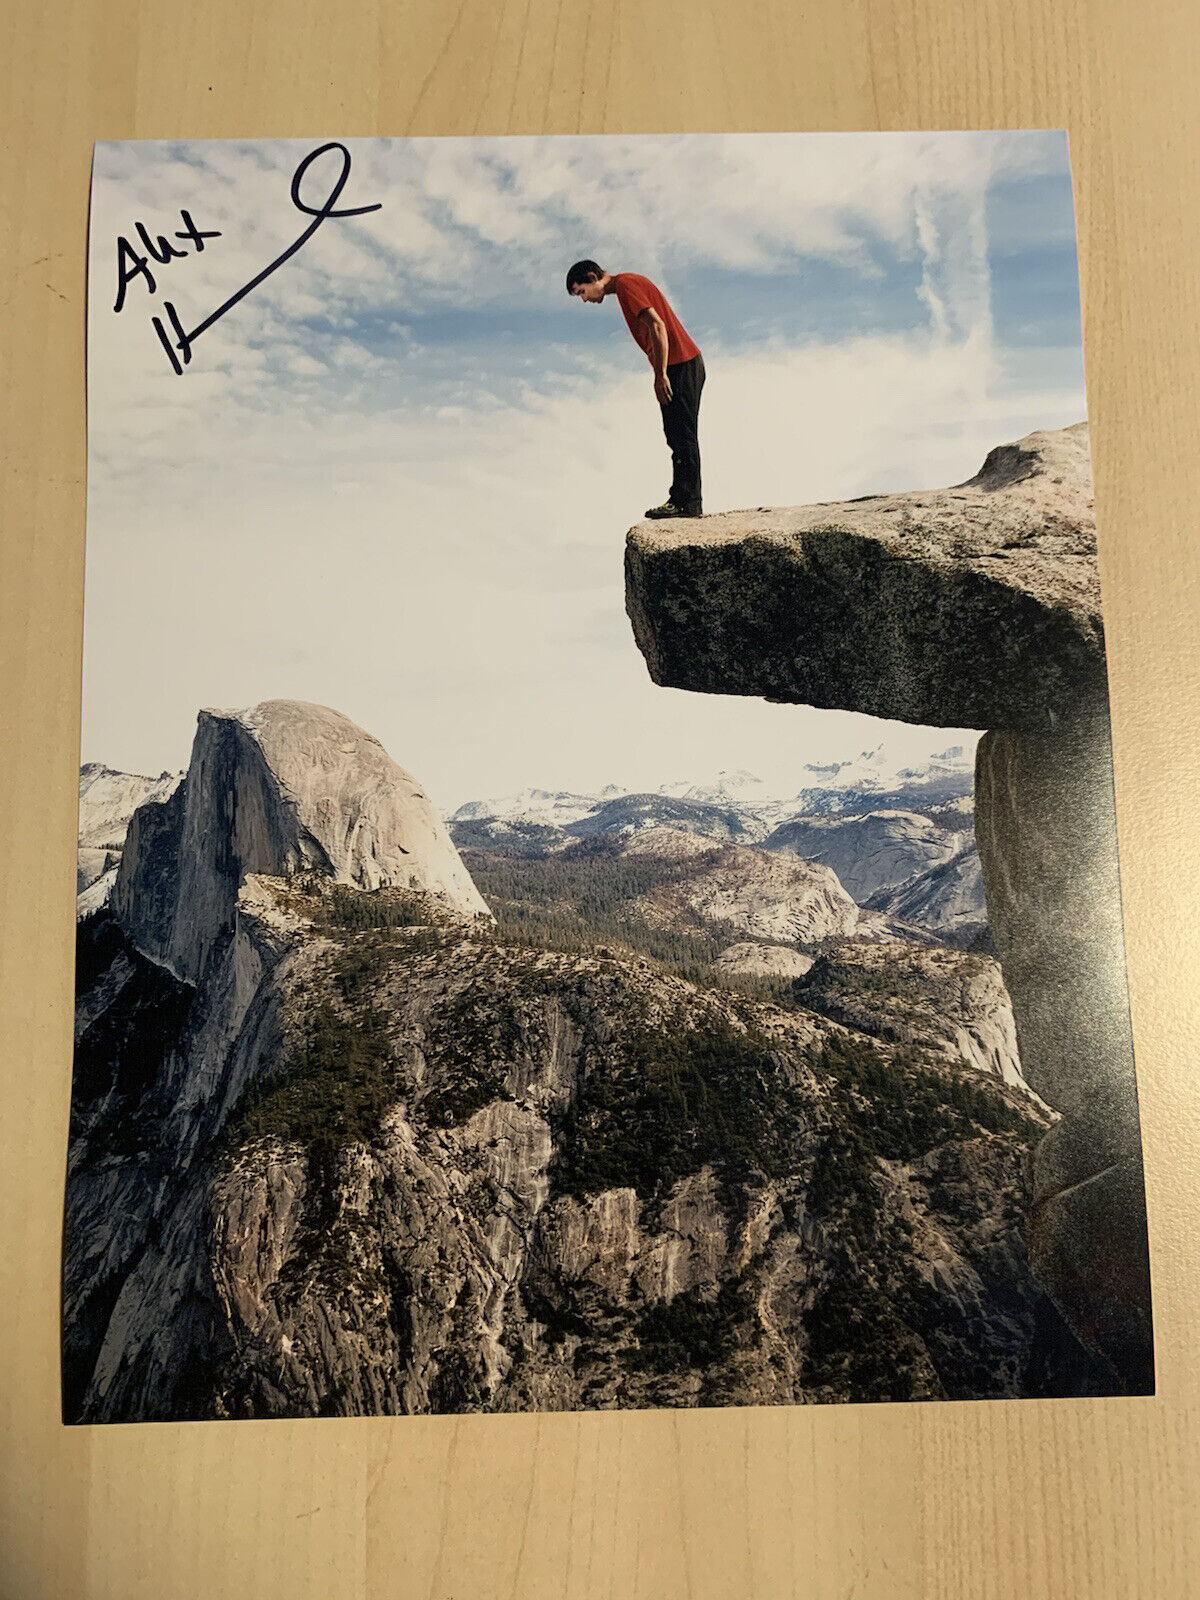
<point x="976" y="606"/>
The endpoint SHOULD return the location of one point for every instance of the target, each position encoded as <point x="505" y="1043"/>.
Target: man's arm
<point x="658" y="338"/>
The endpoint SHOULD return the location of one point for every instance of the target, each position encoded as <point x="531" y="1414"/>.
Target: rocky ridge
<point x="950" y="1001"/>
<point x="346" y="1151"/>
<point x="758" y="960"/>
<point x="946" y="899"/>
<point x="107" y="802"/>
<point x="496" y="1179"/>
<point x="743" y="892"/>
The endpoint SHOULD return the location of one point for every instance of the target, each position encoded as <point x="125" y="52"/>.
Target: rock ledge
<point x="976" y="606"/>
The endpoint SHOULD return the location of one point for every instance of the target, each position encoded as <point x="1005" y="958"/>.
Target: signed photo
<point x="598" y="878"/>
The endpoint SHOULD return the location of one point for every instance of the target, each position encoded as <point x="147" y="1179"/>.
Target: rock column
<point x="1046" y="829"/>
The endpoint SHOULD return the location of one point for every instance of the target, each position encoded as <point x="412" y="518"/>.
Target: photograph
<point x="598" y="882"/>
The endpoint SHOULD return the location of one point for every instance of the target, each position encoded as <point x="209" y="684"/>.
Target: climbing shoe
<point x="670" y="509"/>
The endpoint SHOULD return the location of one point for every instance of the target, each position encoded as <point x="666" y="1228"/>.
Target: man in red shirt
<point x="678" y="371"/>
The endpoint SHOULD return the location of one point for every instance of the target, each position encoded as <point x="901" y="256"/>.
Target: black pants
<point x="681" y="416"/>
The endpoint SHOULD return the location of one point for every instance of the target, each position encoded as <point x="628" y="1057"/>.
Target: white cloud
<point x="477" y="222"/>
<point x="455" y="582"/>
<point x="444" y="564"/>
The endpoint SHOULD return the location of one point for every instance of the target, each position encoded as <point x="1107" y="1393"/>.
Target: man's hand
<point x="662" y="387"/>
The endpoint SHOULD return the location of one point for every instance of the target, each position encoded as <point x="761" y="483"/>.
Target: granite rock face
<point x="740" y="891"/>
<point x="1046" y="824"/>
<point x="107" y="801"/>
<point x="973" y="606"/>
<point x="872" y="852"/>
<point x="947" y="899"/>
<point x="950" y="1001"/>
<point x="976" y="606"/>
<point x="375" y="1167"/>
<point x="763" y="960"/>
<point x="276" y="789"/>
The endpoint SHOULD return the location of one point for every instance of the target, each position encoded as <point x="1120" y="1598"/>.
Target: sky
<point x="396" y="477"/>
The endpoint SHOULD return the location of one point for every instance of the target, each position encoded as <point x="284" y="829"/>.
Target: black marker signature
<point x="130" y="265"/>
<point x="184" y="340"/>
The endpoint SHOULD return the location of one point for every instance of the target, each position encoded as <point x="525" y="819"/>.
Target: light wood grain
<point x="1058" y="1499"/>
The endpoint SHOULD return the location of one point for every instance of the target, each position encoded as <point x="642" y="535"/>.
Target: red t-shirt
<point x="634" y="293"/>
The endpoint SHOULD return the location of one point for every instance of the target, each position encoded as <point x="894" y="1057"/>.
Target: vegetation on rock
<point x="661" y="1102"/>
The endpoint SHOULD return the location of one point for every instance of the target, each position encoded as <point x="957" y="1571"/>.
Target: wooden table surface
<point x="942" y="1502"/>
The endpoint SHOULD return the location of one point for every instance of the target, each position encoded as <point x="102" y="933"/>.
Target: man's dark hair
<point x="583" y="272"/>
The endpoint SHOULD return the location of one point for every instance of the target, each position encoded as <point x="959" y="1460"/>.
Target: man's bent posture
<point x="678" y="371"/>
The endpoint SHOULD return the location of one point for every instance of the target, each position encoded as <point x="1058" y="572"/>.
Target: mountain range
<point x="365" y="1123"/>
<point x="898" y="837"/>
<point x="873" y="776"/>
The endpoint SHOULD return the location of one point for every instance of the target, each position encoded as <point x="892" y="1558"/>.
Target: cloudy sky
<point x="396" y="478"/>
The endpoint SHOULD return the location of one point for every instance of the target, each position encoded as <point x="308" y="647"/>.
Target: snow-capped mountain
<point x="877" y="770"/>
<point x="883" y="824"/>
<point x="553" y="807"/>
<point x="749" y="807"/>
<point x="740" y="788"/>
